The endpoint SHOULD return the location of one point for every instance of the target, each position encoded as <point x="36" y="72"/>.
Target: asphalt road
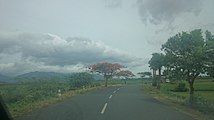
<point x="113" y="103"/>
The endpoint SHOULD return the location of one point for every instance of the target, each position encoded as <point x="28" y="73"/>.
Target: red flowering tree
<point x="107" y="69"/>
<point x="125" y="73"/>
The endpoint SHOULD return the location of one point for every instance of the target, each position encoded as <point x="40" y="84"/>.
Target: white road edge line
<point x="110" y="96"/>
<point x="104" y="108"/>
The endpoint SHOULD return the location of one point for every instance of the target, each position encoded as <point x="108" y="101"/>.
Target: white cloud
<point x="25" y="52"/>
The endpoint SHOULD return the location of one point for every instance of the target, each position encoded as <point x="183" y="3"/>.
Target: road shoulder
<point x="182" y="108"/>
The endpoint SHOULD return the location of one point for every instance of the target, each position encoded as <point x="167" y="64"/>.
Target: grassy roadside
<point x="19" y="108"/>
<point x="22" y="98"/>
<point x="178" y="99"/>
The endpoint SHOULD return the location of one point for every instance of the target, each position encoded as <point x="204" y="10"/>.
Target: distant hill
<point x="37" y="75"/>
<point x="42" y="75"/>
<point x="6" y="79"/>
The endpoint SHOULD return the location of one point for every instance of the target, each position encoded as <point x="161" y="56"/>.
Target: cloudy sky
<point x="67" y="35"/>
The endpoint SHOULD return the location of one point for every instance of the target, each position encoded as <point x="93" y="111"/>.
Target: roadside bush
<point x="181" y="87"/>
<point x="201" y="104"/>
<point x="78" y="80"/>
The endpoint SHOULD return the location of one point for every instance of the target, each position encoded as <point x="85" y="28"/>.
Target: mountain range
<point x="38" y="75"/>
<point x="6" y="79"/>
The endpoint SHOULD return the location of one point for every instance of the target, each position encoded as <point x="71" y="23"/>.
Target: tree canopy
<point x="125" y="73"/>
<point x="210" y="53"/>
<point x="185" y="53"/>
<point x="107" y="69"/>
<point x="156" y="62"/>
<point x="80" y="79"/>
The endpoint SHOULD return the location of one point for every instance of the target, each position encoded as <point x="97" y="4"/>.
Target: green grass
<point x="204" y="95"/>
<point x="204" y="86"/>
<point x="24" y="97"/>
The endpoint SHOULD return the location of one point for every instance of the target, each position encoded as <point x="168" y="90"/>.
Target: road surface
<point x="113" y="103"/>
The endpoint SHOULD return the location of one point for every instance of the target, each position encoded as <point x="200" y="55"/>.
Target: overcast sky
<point x="67" y="35"/>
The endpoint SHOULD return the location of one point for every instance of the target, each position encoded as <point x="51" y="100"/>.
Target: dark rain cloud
<point x="159" y="11"/>
<point x="24" y="52"/>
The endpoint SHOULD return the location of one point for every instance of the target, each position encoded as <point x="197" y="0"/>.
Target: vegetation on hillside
<point x="27" y="95"/>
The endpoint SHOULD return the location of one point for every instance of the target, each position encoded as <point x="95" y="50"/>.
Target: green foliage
<point x="157" y="61"/>
<point x="23" y="97"/>
<point x="203" y="98"/>
<point x="210" y="53"/>
<point x="81" y="79"/>
<point x="186" y="56"/>
<point x="185" y="53"/>
<point x="204" y="86"/>
<point x="31" y="91"/>
<point x="181" y="87"/>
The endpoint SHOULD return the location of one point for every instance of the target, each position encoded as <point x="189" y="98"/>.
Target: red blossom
<point x="105" y="67"/>
<point x="125" y="73"/>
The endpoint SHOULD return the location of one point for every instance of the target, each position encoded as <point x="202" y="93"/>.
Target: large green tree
<point x="185" y="52"/>
<point x="80" y="79"/>
<point x="209" y="53"/>
<point x="156" y="63"/>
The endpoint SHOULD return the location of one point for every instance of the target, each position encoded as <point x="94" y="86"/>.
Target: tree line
<point x="185" y="56"/>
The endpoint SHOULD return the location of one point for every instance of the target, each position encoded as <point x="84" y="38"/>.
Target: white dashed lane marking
<point x="104" y="108"/>
<point x="105" y="105"/>
<point x="110" y="96"/>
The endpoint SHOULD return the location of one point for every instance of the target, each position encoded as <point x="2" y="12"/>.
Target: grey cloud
<point x="159" y="11"/>
<point x="25" y="52"/>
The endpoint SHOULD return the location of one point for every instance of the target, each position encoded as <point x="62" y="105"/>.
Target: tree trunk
<point x="106" y="83"/>
<point x="159" y="78"/>
<point x="154" y="81"/>
<point x="154" y="73"/>
<point x="158" y="82"/>
<point x="191" y="92"/>
<point x="191" y="87"/>
<point x="159" y="72"/>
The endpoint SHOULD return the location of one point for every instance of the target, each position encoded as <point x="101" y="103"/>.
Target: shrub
<point x="80" y="79"/>
<point x="181" y="87"/>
